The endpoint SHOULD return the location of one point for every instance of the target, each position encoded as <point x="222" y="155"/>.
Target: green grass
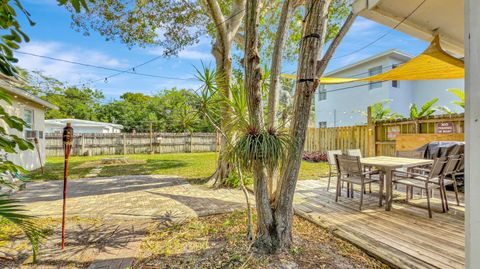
<point x="186" y="165"/>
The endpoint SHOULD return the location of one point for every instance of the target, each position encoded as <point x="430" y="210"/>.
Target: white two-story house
<point x="346" y="104"/>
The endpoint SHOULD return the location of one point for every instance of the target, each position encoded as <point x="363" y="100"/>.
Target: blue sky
<point x="52" y="36"/>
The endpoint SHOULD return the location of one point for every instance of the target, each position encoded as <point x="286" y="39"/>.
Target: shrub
<point x="233" y="181"/>
<point x="315" y="156"/>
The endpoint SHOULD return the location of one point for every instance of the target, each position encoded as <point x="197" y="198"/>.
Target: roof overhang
<point x="435" y="17"/>
<point x="15" y="91"/>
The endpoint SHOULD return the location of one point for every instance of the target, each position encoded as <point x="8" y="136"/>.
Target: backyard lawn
<point x="186" y="165"/>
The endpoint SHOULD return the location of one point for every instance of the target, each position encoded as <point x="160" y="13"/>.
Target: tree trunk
<point x="274" y="90"/>
<point x="265" y="237"/>
<point x="274" y="221"/>
<point x="276" y="65"/>
<point x="226" y="29"/>
<point x="223" y="62"/>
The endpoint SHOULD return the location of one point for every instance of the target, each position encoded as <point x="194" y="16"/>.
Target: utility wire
<point x="384" y="35"/>
<point x="100" y="67"/>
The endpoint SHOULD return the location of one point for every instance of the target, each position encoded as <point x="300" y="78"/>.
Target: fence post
<point x="124" y="144"/>
<point x="82" y="145"/>
<point x="151" y="138"/>
<point x="191" y="142"/>
<point x="371" y="133"/>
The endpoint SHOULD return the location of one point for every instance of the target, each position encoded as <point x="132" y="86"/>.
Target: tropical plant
<point x="426" y="110"/>
<point x="381" y="112"/>
<point x="461" y="96"/>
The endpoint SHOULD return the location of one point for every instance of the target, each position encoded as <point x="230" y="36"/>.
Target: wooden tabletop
<point x="394" y="162"/>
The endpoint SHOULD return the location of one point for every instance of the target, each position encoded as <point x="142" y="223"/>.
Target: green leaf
<point x="460" y="94"/>
<point x="5" y="97"/>
<point x="413" y="111"/>
<point x="426" y="109"/>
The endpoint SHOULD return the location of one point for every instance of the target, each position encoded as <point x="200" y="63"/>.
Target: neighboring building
<point x="82" y="126"/>
<point x="346" y="104"/>
<point x="31" y="109"/>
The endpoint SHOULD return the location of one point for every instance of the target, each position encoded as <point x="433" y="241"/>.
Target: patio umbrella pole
<point x="67" y="147"/>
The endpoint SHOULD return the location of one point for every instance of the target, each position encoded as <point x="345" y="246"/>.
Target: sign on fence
<point x="445" y="128"/>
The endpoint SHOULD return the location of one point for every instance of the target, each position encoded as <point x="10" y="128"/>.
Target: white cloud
<point x="63" y="71"/>
<point x="195" y="55"/>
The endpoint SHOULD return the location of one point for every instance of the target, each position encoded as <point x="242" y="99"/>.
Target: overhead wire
<point x="383" y="35"/>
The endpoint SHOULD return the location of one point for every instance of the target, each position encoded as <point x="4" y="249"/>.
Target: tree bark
<point x="274" y="87"/>
<point x="226" y="29"/>
<point x="276" y="65"/>
<point x="265" y="237"/>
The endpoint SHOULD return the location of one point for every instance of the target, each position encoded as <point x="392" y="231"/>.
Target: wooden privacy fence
<point x="380" y="138"/>
<point x="128" y="143"/>
<point x="343" y="138"/>
<point x="433" y="128"/>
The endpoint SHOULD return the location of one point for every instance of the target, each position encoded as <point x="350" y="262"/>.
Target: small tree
<point x="259" y="148"/>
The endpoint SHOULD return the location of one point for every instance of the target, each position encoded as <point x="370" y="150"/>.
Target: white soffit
<point x="442" y="17"/>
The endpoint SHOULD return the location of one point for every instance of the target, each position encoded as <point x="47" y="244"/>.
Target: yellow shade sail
<point x="433" y="63"/>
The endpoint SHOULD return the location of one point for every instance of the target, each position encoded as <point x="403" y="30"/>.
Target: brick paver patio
<point x="148" y="197"/>
<point x="126" y="205"/>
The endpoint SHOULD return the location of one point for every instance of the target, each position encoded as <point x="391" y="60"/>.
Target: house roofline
<point x="82" y="123"/>
<point x="389" y="53"/>
<point x="16" y="91"/>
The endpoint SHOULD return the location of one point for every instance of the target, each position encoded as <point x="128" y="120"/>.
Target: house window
<point x="28" y="118"/>
<point x="322" y="93"/>
<point x="322" y="124"/>
<point x="395" y="83"/>
<point x="372" y="72"/>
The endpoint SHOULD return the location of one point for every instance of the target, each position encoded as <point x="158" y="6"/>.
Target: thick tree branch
<point x="335" y="42"/>
<point x="236" y="17"/>
<point x="239" y="39"/>
<point x="275" y="68"/>
<point x="216" y="14"/>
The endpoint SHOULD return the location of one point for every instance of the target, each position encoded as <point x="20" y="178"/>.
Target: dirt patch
<point x="219" y="242"/>
<point x="94" y="164"/>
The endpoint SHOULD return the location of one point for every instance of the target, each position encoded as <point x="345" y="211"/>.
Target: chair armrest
<point x="420" y="169"/>
<point x="409" y="174"/>
<point x="371" y="172"/>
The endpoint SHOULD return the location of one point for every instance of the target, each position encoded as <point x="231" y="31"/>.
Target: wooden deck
<point x="404" y="237"/>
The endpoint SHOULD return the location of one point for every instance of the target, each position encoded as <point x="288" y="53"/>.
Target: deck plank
<point x="404" y="237"/>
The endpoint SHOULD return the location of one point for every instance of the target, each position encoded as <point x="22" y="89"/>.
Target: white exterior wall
<point x="426" y="90"/>
<point x="27" y="159"/>
<point x="347" y="107"/>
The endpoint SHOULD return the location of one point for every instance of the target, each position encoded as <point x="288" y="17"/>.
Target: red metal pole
<point x="67" y="147"/>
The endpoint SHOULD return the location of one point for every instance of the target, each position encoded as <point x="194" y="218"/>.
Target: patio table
<point x="386" y="165"/>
